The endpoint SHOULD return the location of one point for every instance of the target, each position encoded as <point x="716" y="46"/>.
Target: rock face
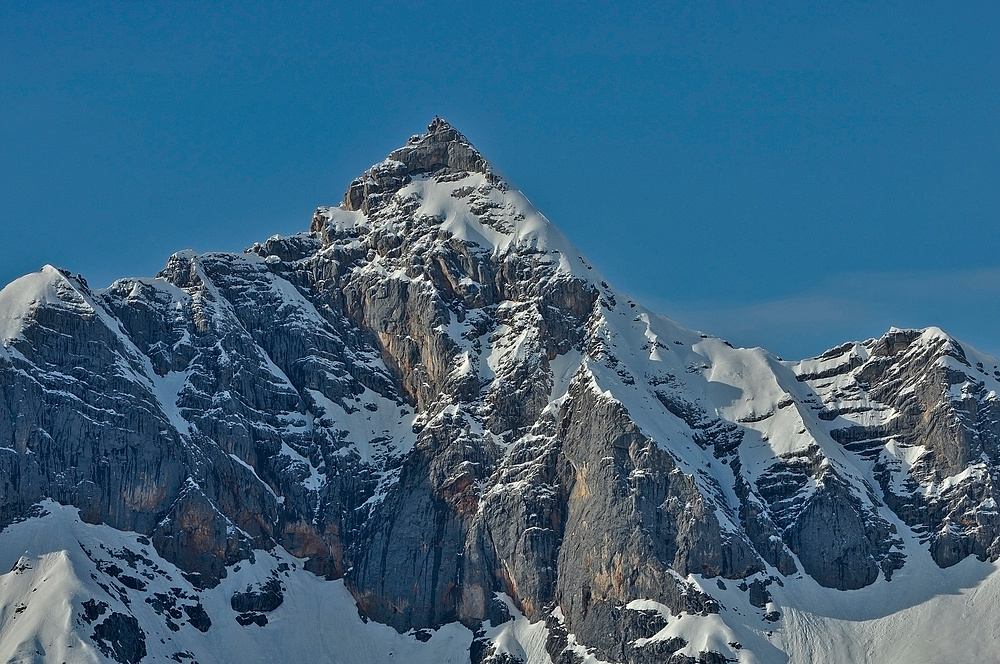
<point x="432" y="395"/>
<point x="923" y="412"/>
<point x="120" y="638"/>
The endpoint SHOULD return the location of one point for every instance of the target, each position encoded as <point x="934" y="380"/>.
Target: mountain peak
<point x="49" y="286"/>
<point x="441" y="148"/>
<point x="438" y="188"/>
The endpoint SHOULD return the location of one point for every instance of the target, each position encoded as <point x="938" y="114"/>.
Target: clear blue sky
<point x="789" y="176"/>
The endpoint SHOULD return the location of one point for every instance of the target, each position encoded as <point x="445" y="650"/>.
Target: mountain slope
<point x="433" y="396"/>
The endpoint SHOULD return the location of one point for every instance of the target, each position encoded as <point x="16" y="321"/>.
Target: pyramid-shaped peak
<point x="442" y="148"/>
<point x="440" y="131"/>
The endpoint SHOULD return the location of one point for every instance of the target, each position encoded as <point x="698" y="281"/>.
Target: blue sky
<point x="791" y="175"/>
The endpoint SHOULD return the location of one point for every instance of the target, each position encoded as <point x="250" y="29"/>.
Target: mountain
<point x="428" y="430"/>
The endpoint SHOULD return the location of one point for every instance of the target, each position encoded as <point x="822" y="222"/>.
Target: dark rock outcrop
<point x="263" y="598"/>
<point x="119" y="637"/>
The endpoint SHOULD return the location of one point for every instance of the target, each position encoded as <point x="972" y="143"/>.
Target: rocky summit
<point x="428" y="430"/>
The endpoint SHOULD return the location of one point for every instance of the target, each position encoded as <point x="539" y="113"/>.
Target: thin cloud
<point x="856" y="306"/>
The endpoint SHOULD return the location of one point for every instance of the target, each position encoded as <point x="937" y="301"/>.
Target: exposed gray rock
<point x="265" y="597"/>
<point x="119" y="637"/>
<point x="412" y="570"/>
<point x="759" y="596"/>
<point x="926" y="397"/>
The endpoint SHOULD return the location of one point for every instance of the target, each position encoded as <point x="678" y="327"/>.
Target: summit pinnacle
<point x="441" y="148"/>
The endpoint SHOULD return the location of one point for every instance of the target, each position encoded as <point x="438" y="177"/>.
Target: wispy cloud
<point x="855" y="305"/>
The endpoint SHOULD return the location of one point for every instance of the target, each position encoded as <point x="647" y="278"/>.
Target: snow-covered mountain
<point x="427" y="430"/>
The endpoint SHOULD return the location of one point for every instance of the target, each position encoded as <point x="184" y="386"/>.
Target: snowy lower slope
<point x="925" y="614"/>
<point x="82" y="593"/>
